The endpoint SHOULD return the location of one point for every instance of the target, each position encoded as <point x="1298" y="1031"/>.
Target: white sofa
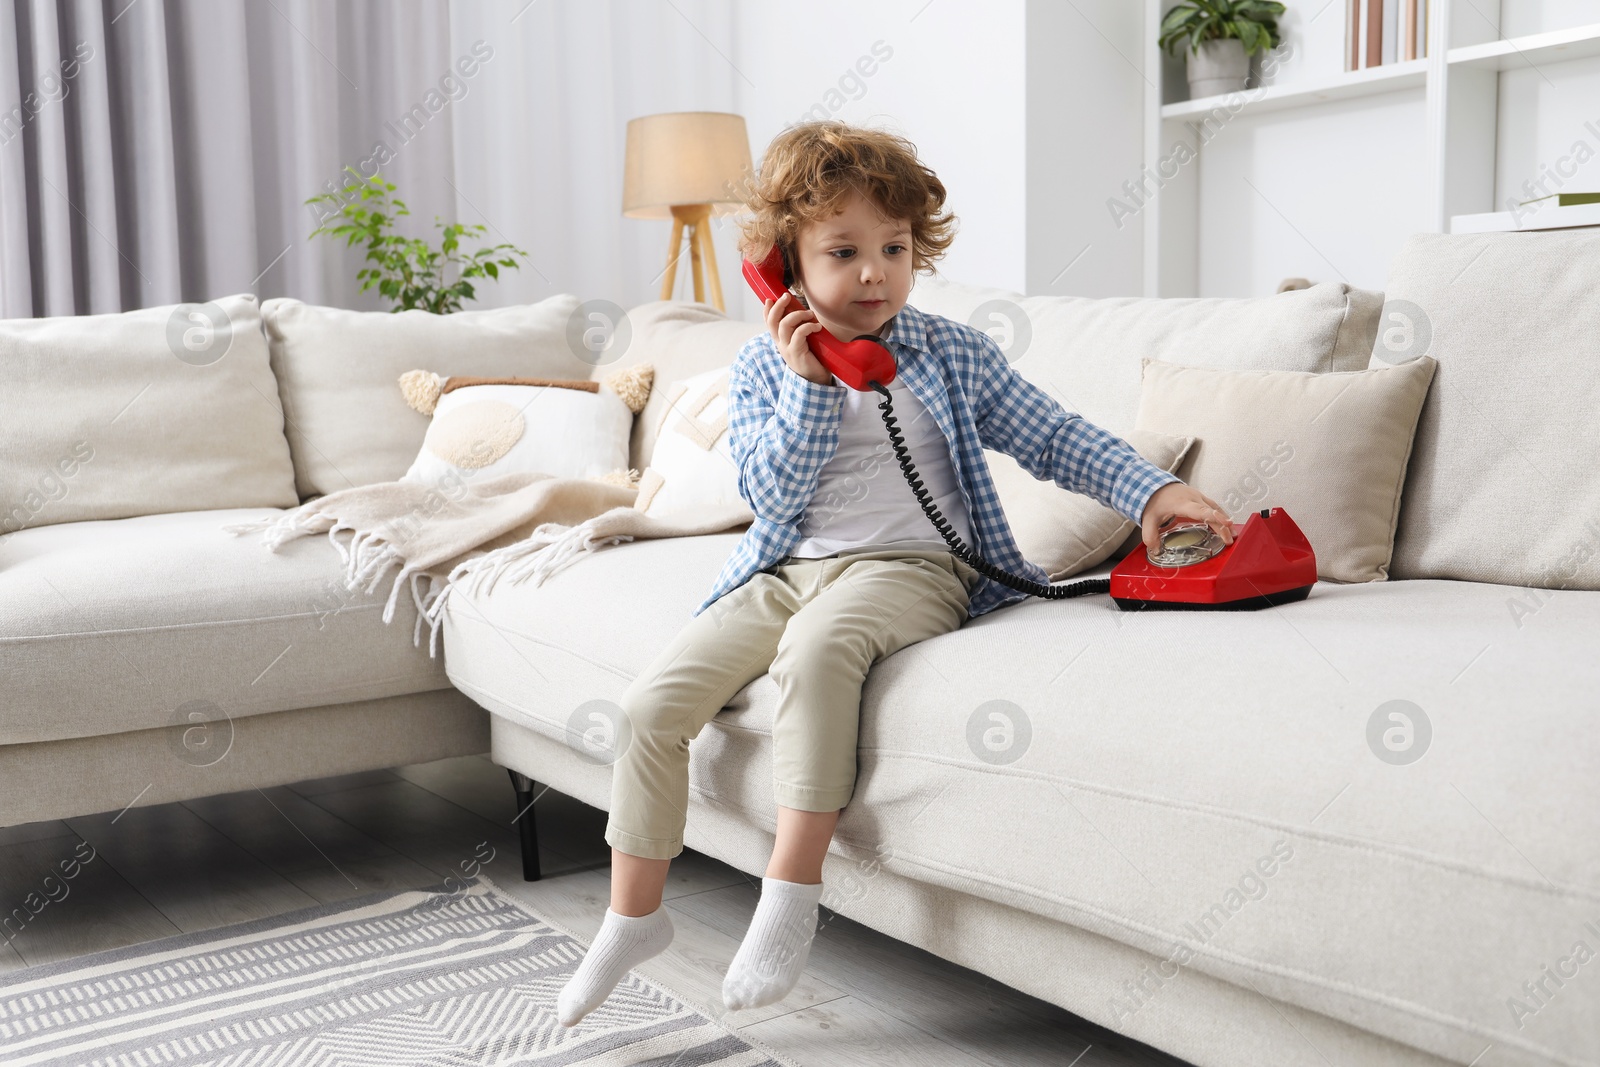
<point x="1196" y="846"/>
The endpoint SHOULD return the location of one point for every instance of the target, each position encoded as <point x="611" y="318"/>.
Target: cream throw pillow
<point x="692" y="470"/>
<point x="1066" y="532"/>
<point x="1329" y="448"/>
<point x="486" y="427"/>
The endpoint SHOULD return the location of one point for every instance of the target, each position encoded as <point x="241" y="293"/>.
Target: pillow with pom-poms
<point x="568" y="428"/>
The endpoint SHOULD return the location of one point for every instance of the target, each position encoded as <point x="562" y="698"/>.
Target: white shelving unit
<point x="1344" y="86"/>
<point x="1460" y="79"/>
<point x="1513" y="52"/>
<point x="1546" y="218"/>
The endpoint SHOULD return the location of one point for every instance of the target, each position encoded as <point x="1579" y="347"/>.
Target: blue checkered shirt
<point x="783" y="428"/>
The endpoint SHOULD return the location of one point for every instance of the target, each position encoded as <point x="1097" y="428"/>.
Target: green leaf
<point x="411" y="272"/>
<point x="1252" y="22"/>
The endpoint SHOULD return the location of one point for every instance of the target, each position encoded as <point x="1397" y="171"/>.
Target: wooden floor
<point x="864" y="998"/>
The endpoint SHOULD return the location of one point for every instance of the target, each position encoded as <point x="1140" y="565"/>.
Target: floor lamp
<point x="687" y="166"/>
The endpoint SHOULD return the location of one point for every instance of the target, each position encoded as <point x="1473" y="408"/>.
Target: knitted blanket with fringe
<point x="517" y="526"/>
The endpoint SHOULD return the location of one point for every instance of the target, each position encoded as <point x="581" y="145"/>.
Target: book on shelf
<point x="1564" y="199"/>
<point x="1374" y="53"/>
<point x="1382" y="32"/>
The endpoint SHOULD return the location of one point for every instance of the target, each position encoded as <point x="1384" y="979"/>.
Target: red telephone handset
<point x="865" y="359"/>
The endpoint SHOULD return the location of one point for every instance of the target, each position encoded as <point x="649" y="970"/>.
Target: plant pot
<point x="1220" y="66"/>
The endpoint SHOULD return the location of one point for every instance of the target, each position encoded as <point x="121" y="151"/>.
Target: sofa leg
<point x="528" y="829"/>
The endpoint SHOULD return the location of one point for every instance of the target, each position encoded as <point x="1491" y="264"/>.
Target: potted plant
<point x="409" y="271"/>
<point x="1222" y="36"/>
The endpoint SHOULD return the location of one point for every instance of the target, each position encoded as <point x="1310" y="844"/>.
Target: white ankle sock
<point x="775" y="948"/>
<point x="623" y="942"/>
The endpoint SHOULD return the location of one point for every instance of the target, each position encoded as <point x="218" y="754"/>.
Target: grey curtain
<point x="157" y="151"/>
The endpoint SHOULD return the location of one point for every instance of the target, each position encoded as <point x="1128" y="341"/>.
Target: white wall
<point x="953" y="84"/>
<point x="1327" y="192"/>
<point x="1085" y="137"/>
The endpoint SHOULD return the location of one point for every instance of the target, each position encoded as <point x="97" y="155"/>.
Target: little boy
<point x="841" y="567"/>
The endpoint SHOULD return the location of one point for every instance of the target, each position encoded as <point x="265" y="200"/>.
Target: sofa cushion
<point x="348" y="423"/>
<point x="1228" y="790"/>
<point x="170" y="408"/>
<point x="125" y="624"/>
<point x="1086" y="351"/>
<point x="692" y="470"/>
<point x="1331" y="448"/>
<point x="1504" y="483"/>
<point x="680" y="340"/>
<point x="571" y="429"/>
<point x="1066" y="532"/>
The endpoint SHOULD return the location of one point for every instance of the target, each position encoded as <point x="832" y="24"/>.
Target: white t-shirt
<point x="862" y="498"/>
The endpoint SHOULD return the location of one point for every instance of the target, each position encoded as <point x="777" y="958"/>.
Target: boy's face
<point x="855" y="268"/>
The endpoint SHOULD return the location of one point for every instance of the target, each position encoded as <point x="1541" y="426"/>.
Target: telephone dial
<point x="1268" y="562"/>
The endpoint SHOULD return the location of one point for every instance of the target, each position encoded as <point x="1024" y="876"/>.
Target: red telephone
<point x="856" y="363"/>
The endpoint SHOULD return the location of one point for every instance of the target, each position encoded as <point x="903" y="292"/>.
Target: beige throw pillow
<point x="1331" y="449"/>
<point x="1066" y="532"/>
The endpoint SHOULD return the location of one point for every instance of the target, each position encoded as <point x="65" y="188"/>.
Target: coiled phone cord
<point x="958" y="546"/>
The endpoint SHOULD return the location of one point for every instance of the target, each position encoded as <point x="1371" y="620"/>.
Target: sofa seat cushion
<point x="1228" y="790"/>
<point x="126" y="624"/>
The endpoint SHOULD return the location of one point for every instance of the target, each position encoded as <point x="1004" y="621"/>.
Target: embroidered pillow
<point x="569" y="428"/>
<point x="691" y="468"/>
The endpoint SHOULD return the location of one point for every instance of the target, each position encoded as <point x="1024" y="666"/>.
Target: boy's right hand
<point x="790" y="326"/>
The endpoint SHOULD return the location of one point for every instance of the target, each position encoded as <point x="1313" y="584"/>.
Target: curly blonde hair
<point x="811" y="168"/>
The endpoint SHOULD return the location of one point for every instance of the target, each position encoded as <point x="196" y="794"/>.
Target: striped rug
<point x="463" y="975"/>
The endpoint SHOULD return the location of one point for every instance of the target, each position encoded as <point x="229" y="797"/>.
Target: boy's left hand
<point x="1174" y="501"/>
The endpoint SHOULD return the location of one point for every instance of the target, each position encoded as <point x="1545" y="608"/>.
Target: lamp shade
<point x="684" y="157"/>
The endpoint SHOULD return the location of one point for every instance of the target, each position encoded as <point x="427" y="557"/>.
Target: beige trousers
<point x="816" y="625"/>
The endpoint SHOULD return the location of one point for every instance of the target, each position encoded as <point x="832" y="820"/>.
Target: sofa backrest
<point x="170" y="408"/>
<point x="1084" y="351"/>
<point x="1504" y="480"/>
<point x="344" y="421"/>
<point x="338" y="373"/>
